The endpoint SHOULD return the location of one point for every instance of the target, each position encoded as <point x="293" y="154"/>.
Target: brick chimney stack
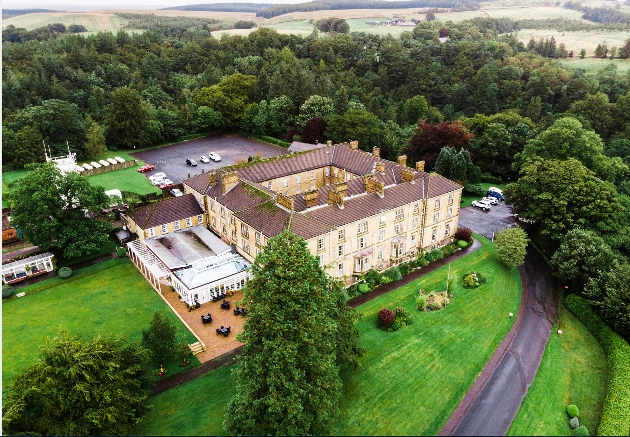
<point x="420" y="166"/>
<point x="402" y="160"/>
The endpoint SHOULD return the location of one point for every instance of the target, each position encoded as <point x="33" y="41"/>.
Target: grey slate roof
<point x="167" y="211"/>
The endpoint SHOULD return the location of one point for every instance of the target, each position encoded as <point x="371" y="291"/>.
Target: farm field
<point x="410" y="380"/>
<point x="514" y="12"/>
<point x="592" y="65"/>
<point x="93" y="21"/>
<point x="578" y="40"/>
<point x="573" y="371"/>
<point x="110" y="297"/>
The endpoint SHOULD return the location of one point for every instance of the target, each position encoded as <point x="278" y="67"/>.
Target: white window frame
<point x="335" y="172"/>
<point x="340" y="250"/>
<point x="449" y="212"/>
<point x="415" y="222"/>
<point x="436" y="217"/>
<point x="434" y="235"/>
<point x="340" y="269"/>
<point x="342" y="234"/>
<point x="298" y="178"/>
<point x="151" y="232"/>
<point x="200" y="219"/>
<point x="245" y="245"/>
<point x="212" y="206"/>
<point x="447" y="230"/>
<point x="320" y="244"/>
<point x="312" y="175"/>
<point x="244" y="230"/>
<point x="176" y="225"/>
<point x="269" y="185"/>
<point x="450" y="199"/>
<point x="164" y="229"/>
<point x="327" y="171"/>
<point x="416" y="208"/>
<point x="381" y="235"/>
<point x="321" y="260"/>
<point x="398" y="229"/>
<point x="362" y="227"/>
<point x="437" y="203"/>
<point x="188" y="222"/>
<point x="285" y="182"/>
<point x="362" y="242"/>
<point x="379" y="255"/>
<point x="257" y="236"/>
<point x="400" y="214"/>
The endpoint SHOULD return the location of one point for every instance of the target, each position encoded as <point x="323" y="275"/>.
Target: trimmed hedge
<point x="616" y="410"/>
<point x="121" y="252"/>
<point x="393" y="273"/>
<point x="7" y="290"/>
<point x="462" y="244"/>
<point x="573" y="411"/>
<point x="581" y="431"/>
<point x="65" y="272"/>
<point x="270" y="140"/>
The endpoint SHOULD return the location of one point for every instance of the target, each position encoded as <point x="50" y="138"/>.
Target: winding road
<point x="492" y="402"/>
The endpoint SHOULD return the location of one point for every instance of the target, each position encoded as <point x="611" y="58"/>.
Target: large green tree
<point x="160" y="338"/>
<point x="562" y="195"/>
<point x="78" y="387"/>
<point x="288" y="376"/>
<point x="511" y="245"/>
<point x="357" y="125"/>
<point x="126" y="117"/>
<point x="52" y="210"/>
<point x="314" y="106"/>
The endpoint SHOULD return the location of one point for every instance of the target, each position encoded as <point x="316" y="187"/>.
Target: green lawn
<point x="127" y="179"/>
<point x="468" y="198"/>
<point x="573" y="371"/>
<point x="409" y="382"/>
<point x="110" y="297"/>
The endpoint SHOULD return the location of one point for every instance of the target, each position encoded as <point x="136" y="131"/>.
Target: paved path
<point x="496" y="396"/>
<point x="16" y="253"/>
<point x="228" y="358"/>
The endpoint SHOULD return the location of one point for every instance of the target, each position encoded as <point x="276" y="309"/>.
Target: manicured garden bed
<point x="410" y="380"/>
<point x="573" y="371"/>
<point x="110" y="297"/>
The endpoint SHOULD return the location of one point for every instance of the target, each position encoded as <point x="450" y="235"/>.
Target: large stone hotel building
<point x="355" y="210"/>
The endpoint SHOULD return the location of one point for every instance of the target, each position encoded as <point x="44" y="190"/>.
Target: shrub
<point x="7" y="290"/>
<point x="428" y="257"/>
<point x="421" y="301"/>
<point x="121" y="252"/>
<point x="463" y="233"/>
<point x="462" y="244"/>
<point x="574" y="422"/>
<point x="363" y="288"/>
<point x="393" y="274"/>
<point x="437" y="254"/>
<point x="344" y="295"/>
<point x="385" y="318"/>
<point x="448" y="250"/>
<point x="473" y="280"/>
<point x="581" y="430"/>
<point x="385" y="280"/>
<point x="353" y="291"/>
<point x="405" y="268"/>
<point x="615" y="418"/>
<point x="372" y="278"/>
<point x="573" y="411"/>
<point x="65" y="272"/>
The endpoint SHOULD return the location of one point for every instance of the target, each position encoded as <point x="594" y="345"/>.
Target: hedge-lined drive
<point x="616" y="410"/>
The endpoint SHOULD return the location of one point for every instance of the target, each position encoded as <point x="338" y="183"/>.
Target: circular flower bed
<point x="473" y="280"/>
<point x="433" y="301"/>
<point x="389" y="320"/>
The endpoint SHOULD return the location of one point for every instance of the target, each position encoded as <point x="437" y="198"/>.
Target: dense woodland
<point x="517" y="115"/>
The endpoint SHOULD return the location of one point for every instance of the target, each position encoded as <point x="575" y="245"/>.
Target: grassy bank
<point x="573" y="371"/>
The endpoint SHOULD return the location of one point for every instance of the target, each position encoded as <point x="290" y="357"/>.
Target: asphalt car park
<point x="172" y="159"/>
<point x="487" y="223"/>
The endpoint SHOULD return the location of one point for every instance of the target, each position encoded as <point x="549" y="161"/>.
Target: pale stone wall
<point x="306" y="181"/>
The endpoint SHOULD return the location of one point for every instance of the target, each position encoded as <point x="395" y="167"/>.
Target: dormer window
<point x="164" y="229"/>
<point x="188" y="222"/>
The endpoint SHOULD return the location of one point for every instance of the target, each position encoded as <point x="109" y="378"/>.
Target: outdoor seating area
<point x="217" y="297"/>
<point x="206" y="319"/>
<point x="239" y="311"/>
<point x="223" y="330"/>
<point x="225" y="305"/>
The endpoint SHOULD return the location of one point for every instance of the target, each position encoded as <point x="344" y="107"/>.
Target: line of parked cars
<point x="205" y="159"/>
<point x="493" y="196"/>
<point x="160" y="180"/>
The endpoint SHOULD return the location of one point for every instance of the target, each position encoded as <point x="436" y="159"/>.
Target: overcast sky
<point x="83" y="5"/>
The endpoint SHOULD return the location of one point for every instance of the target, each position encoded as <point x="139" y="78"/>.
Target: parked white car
<point x="157" y="176"/>
<point x="491" y="200"/>
<point x="496" y="190"/>
<point x="204" y="159"/>
<point x="177" y="193"/>
<point x="481" y="205"/>
<point x="214" y="156"/>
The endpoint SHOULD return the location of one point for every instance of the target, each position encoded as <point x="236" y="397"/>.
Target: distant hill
<point x="8" y="13"/>
<point x="224" y="7"/>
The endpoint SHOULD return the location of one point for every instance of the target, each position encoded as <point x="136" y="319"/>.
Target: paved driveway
<point x="486" y="223"/>
<point x="172" y="159"/>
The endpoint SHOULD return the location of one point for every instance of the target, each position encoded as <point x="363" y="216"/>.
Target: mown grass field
<point x="409" y="382"/>
<point x="110" y="297"/>
<point x="573" y="371"/>
<point x="593" y="65"/>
